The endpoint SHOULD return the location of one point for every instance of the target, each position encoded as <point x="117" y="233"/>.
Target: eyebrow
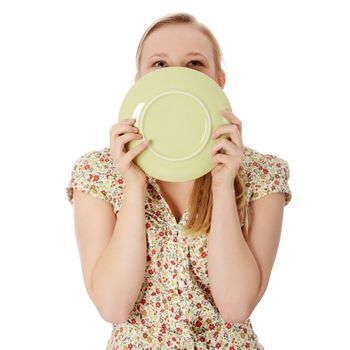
<point x="162" y="54"/>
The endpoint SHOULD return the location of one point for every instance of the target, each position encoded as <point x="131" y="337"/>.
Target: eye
<point x="200" y="63"/>
<point x="154" y="64"/>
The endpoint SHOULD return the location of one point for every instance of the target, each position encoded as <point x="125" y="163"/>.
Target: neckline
<point x="155" y="185"/>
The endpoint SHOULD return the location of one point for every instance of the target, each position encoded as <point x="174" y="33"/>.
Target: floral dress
<point x="175" y="308"/>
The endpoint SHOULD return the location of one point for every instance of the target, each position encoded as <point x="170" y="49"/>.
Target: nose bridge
<point x="177" y="62"/>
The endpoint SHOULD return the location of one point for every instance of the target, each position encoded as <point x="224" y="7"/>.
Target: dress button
<point x="181" y="269"/>
<point x="181" y="284"/>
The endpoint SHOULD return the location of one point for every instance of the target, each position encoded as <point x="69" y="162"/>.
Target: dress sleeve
<point x="88" y="176"/>
<point x="270" y="175"/>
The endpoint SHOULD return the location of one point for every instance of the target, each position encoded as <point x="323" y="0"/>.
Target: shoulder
<point x="264" y="174"/>
<point x="93" y="172"/>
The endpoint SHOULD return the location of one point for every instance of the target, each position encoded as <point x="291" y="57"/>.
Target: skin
<point x="238" y="269"/>
<point x="238" y="275"/>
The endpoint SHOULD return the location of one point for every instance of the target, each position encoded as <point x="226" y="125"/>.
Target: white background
<point x="65" y="68"/>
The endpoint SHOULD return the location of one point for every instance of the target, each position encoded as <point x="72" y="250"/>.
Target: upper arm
<point x="266" y="217"/>
<point x="94" y="222"/>
<point x="94" y="191"/>
<point x="270" y="194"/>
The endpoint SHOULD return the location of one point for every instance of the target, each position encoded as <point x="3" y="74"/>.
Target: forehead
<point x="177" y="38"/>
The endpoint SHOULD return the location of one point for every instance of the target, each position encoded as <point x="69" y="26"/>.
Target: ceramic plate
<point x="176" y="109"/>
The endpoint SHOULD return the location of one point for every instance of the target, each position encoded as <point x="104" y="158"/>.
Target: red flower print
<point x="198" y="323"/>
<point x="161" y="292"/>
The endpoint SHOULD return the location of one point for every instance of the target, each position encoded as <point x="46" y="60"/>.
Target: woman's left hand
<point x="228" y="162"/>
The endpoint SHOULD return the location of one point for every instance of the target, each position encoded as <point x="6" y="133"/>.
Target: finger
<point x="132" y="153"/>
<point x="128" y="120"/>
<point x="225" y="159"/>
<point x="231" y="117"/>
<point x="224" y="129"/>
<point x="234" y="135"/>
<point x="221" y="158"/>
<point x="123" y="122"/>
<point x="120" y="141"/>
<point x="225" y="145"/>
<point x="121" y="130"/>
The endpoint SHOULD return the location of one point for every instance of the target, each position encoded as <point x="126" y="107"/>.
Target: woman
<point x="178" y="265"/>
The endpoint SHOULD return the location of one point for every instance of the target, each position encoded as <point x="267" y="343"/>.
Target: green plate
<point x="176" y="109"/>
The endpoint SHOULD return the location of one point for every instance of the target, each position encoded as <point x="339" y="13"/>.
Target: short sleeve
<point x="88" y="176"/>
<point x="270" y="175"/>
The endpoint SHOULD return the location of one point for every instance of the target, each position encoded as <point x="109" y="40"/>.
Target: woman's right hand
<point x="120" y="134"/>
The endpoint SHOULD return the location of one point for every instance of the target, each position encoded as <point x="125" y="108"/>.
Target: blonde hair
<point x="201" y="201"/>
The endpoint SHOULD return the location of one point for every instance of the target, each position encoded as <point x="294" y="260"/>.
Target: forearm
<point x="234" y="275"/>
<point x="119" y="273"/>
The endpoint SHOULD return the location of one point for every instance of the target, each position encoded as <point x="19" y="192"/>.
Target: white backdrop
<point x="65" y="68"/>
